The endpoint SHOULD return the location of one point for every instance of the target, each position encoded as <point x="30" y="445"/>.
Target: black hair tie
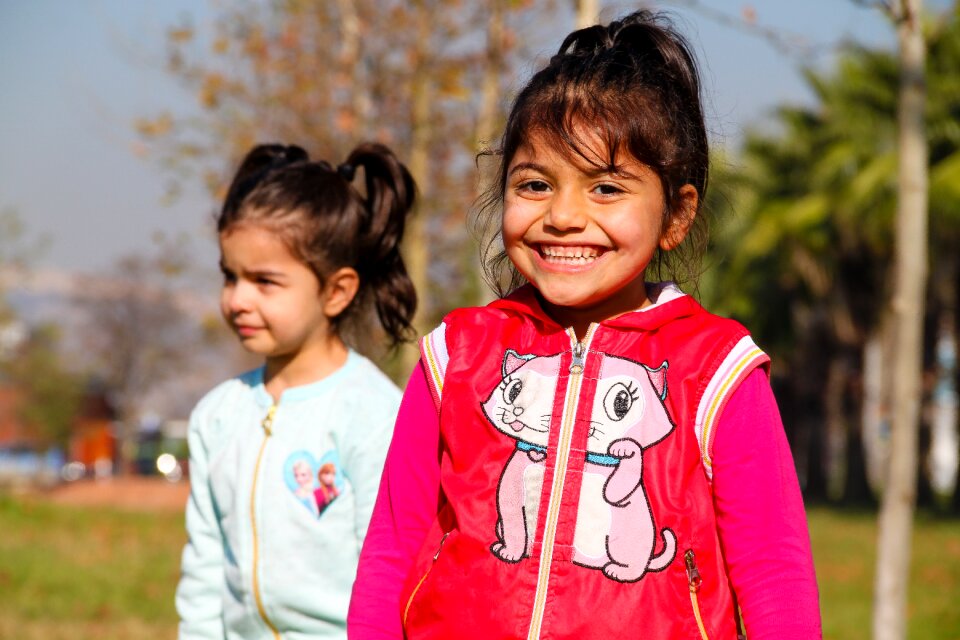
<point x="346" y="171"/>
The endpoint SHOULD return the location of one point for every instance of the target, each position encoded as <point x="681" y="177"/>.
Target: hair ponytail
<point x="390" y="194"/>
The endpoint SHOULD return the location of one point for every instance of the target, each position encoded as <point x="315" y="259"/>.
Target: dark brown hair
<point x="328" y="224"/>
<point x="635" y="83"/>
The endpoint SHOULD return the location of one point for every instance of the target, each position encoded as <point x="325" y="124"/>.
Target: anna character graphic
<point x="328" y="490"/>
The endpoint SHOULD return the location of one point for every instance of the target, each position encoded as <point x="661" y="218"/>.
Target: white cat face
<point x="628" y="405"/>
<point x="628" y="401"/>
<point x="521" y="405"/>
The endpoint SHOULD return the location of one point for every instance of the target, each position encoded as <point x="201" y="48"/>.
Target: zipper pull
<point x="693" y="574"/>
<point x="267" y="423"/>
<point x="579" y="351"/>
<point x="440" y="546"/>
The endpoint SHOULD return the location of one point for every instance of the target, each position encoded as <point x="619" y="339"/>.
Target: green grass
<point x="68" y="572"/>
<point x="87" y="573"/>
<point x="844" y="544"/>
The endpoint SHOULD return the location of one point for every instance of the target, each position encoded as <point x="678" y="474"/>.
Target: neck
<point x="313" y="362"/>
<point x="580" y="318"/>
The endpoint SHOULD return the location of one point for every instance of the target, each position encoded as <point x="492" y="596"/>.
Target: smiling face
<point x="583" y="235"/>
<point x="272" y="301"/>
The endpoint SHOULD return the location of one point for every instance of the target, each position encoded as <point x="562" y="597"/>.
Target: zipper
<point x="426" y="573"/>
<point x="694" y="581"/>
<point x="267" y="425"/>
<point x="570" y="405"/>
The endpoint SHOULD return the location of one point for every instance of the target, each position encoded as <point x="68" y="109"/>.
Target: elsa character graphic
<point x="303" y="477"/>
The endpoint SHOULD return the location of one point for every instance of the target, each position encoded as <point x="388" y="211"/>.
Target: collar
<point x="668" y="303"/>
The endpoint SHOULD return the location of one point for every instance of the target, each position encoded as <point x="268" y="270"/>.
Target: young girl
<point x="304" y="255"/>
<point x="594" y="455"/>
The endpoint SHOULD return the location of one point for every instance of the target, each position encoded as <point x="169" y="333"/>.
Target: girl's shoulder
<point x="363" y="376"/>
<point x="233" y="394"/>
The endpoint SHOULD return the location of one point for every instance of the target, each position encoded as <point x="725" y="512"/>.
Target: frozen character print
<point x="298" y="475"/>
<point x="521" y="406"/>
<point x="327" y="491"/>
<point x="615" y="530"/>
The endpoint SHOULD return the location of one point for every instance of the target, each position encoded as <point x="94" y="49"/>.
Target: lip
<point x="245" y="331"/>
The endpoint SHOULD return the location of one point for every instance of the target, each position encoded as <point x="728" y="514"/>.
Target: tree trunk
<point x="836" y="441"/>
<point x="588" y="13"/>
<point x="415" y="242"/>
<point x="944" y="440"/>
<point x="486" y="128"/>
<point x="910" y="261"/>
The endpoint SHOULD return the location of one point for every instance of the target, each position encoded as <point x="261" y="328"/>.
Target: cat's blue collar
<point x="595" y="458"/>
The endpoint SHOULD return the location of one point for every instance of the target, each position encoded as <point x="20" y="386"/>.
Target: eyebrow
<point x="531" y="166"/>
<point x="591" y="173"/>
<point x="255" y="273"/>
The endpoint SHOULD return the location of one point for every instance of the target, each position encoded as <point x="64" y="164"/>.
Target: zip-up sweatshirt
<point x="765" y="573"/>
<point x="281" y="497"/>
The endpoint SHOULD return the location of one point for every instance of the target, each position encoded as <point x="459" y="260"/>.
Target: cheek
<point x="515" y="222"/>
<point x="225" y="302"/>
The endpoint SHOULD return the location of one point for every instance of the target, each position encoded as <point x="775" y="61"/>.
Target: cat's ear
<point x="513" y="361"/>
<point x="658" y="378"/>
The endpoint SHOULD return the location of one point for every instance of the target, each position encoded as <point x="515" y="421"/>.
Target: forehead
<point x="255" y="245"/>
<point x="585" y="149"/>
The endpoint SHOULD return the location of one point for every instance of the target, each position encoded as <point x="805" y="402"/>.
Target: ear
<point x="339" y="289"/>
<point x="681" y="218"/>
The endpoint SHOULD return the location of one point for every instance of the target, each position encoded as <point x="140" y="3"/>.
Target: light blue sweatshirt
<point x="271" y="552"/>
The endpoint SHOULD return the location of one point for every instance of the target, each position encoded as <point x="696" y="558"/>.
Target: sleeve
<point x="199" y="593"/>
<point x="364" y="459"/>
<point x="761" y="519"/>
<point x="406" y="507"/>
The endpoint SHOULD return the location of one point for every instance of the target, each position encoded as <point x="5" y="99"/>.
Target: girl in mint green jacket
<point x="273" y="547"/>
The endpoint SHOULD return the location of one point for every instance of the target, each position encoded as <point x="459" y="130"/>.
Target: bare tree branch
<point x="792" y="45"/>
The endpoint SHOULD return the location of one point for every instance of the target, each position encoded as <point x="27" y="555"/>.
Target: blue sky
<point x="76" y="73"/>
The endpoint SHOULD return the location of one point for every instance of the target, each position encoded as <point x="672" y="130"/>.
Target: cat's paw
<point x="501" y="551"/>
<point x="621" y="573"/>
<point x="624" y="448"/>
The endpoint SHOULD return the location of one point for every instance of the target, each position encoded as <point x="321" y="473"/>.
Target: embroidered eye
<point x="618" y="401"/>
<point x="512" y="390"/>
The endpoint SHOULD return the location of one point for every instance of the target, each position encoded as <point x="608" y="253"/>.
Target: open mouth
<point x="570" y="255"/>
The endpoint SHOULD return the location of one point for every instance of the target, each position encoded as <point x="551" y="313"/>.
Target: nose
<point x="236" y="298"/>
<point x="567" y="211"/>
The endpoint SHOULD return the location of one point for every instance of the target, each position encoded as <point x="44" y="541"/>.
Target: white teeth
<point x="569" y="255"/>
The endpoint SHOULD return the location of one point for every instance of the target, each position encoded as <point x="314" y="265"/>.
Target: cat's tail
<point x="665" y="557"/>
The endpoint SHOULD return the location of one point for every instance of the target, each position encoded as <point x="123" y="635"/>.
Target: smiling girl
<point x="593" y="455"/>
<point x="304" y="255"/>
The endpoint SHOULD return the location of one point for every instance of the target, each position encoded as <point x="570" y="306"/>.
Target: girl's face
<point x="271" y="300"/>
<point x="584" y="236"/>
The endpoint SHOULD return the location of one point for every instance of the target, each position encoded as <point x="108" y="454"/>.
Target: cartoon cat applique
<point x="615" y="530"/>
<point x="615" y="527"/>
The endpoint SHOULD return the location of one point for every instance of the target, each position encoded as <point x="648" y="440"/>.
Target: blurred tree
<point x="907" y="305"/>
<point x="137" y="333"/>
<point x="51" y="392"/>
<point x="806" y="260"/>
<point x="327" y="75"/>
